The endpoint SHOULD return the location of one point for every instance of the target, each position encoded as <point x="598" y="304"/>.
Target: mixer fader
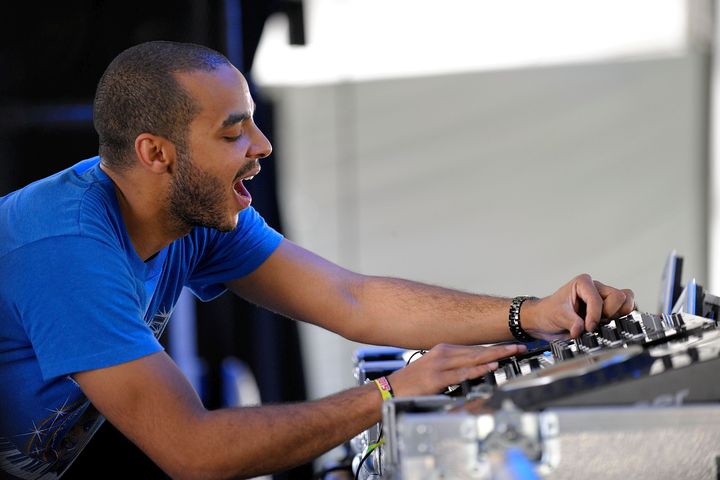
<point x="629" y="360"/>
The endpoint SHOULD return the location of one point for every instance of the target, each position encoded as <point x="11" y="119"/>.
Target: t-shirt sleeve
<point x="79" y="304"/>
<point x="228" y="256"/>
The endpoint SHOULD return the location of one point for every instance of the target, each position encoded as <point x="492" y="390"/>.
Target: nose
<point x="260" y="146"/>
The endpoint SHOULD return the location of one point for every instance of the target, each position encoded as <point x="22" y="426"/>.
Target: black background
<point x="51" y="56"/>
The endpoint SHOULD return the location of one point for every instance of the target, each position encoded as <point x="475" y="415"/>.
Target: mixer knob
<point x="634" y="327"/>
<point x="534" y="364"/>
<point x="566" y="353"/>
<point x="589" y="340"/>
<point x="677" y="320"/>
<point x="622" y="324"/>
<point x="515" y="366"/>
<point x="609" y="333"/>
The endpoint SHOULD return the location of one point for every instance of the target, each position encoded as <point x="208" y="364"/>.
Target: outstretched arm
<point x="391" y="311"/>
<point x="151" y="403"/>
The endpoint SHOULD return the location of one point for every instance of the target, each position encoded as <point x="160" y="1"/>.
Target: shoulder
<point x="74" y="202"/>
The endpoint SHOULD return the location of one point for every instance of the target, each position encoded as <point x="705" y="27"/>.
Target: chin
<point x="230" y="225"/>
<point x="225" y="226"/>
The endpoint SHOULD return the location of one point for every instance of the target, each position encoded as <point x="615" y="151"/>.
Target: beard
<point x="197" y="199"/>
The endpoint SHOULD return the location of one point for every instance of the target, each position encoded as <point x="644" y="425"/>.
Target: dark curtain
<point x="51" y="57"/>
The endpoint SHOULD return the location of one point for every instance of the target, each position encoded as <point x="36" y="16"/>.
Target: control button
<point x="634" y="327"/>
<point x="534" y="364"/>
<point x="609" y="333"/>
<point x="677" y="320"/>
<point x="515" y="366"/>
<point x="694" y="354"/>
<point x="667" y="362"/>
<point x="589" y="340"/>
<point x="566" y="353"/>
<point x="622" y="324"/>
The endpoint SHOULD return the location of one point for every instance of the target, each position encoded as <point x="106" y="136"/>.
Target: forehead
<point x="219" y="93"/>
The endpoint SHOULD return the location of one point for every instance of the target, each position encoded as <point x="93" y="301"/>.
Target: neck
<point x="142" y="203"/>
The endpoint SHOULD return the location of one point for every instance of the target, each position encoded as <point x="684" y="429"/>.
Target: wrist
<point x="384" y="388"/>
<point x="521" y="317"/>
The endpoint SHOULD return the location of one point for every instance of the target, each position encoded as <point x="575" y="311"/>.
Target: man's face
<point x="223" y="148"/>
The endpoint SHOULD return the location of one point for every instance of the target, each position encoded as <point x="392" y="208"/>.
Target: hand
<point x="446" y="365"/>
<point x="561" y="314"/>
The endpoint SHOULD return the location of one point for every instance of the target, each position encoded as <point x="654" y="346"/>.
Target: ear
<point x="155" y="153"/>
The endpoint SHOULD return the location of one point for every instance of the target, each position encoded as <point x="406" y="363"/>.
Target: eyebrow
<point x="234" y="118"/>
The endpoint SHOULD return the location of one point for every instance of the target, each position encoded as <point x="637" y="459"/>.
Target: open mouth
<point x="242" y="195"/>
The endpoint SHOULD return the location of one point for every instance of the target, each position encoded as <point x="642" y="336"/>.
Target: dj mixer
<point x="637" y="398"/>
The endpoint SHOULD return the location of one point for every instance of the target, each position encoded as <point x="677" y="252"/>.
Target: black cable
<point x="421" y="352"/>
<point x="343" y="463"/>
<point x="336" y="468"/>
<point x="367" y="455"/>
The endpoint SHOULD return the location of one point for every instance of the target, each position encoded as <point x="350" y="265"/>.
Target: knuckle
<point x="448" y="378"/>
<point x="486" y="355"/>
<point x="441" y="364"/>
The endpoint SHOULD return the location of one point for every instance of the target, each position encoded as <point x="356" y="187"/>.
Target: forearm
<point x="409" y="314"/>
<point x="387" y="311"/>
<point x="251" y="441"/>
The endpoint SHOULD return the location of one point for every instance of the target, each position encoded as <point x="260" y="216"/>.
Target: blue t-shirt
<point x="74" y="296"/>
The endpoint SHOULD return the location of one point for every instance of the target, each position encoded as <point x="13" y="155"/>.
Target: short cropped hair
<point x="139" y="93"/>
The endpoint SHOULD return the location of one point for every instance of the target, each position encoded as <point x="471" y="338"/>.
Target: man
<point x="93" y="259"/>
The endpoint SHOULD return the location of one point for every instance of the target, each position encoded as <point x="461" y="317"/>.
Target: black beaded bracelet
<point x="514" y="319"/>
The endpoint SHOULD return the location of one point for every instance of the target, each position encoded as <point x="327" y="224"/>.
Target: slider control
<point x="588" y="340"/>
<point x="609" y="333"/>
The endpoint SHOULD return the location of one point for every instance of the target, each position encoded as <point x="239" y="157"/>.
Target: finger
<point x="629" y="304"/>
<point x="459" y="375"/>
<point x="496" y="352"/>
<point x="448" y="352"/>
<point x="461" y="356"/>
<point x="480" y="351"/>
<point x="613" y="299"/>
<point x="586" y="291"/>
<point x="476" y="371"/>
<point x="577" y="328"/>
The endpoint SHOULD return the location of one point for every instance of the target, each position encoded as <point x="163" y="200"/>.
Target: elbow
<point x="194" y="456"/>
<point x="189" y="465"/>
<point x="355" y="324"/>
<point x="200" y="457"/>
<point x="195" y="467"/>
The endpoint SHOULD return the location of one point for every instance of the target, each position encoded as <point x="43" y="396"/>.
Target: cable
<point x="370" y="449"/>
<point x="336" y="468"/>
<point x="421" y="352"/>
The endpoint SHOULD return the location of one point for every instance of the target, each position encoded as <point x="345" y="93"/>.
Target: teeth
<point x="250" y="177"/>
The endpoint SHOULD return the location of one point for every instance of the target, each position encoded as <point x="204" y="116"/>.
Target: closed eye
<point x="232" y="139"/>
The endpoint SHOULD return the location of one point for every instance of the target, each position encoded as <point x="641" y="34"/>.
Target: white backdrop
<point x="503" y="182"/>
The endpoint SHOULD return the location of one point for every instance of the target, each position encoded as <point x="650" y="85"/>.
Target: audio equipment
<point x="637" y="398"/>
